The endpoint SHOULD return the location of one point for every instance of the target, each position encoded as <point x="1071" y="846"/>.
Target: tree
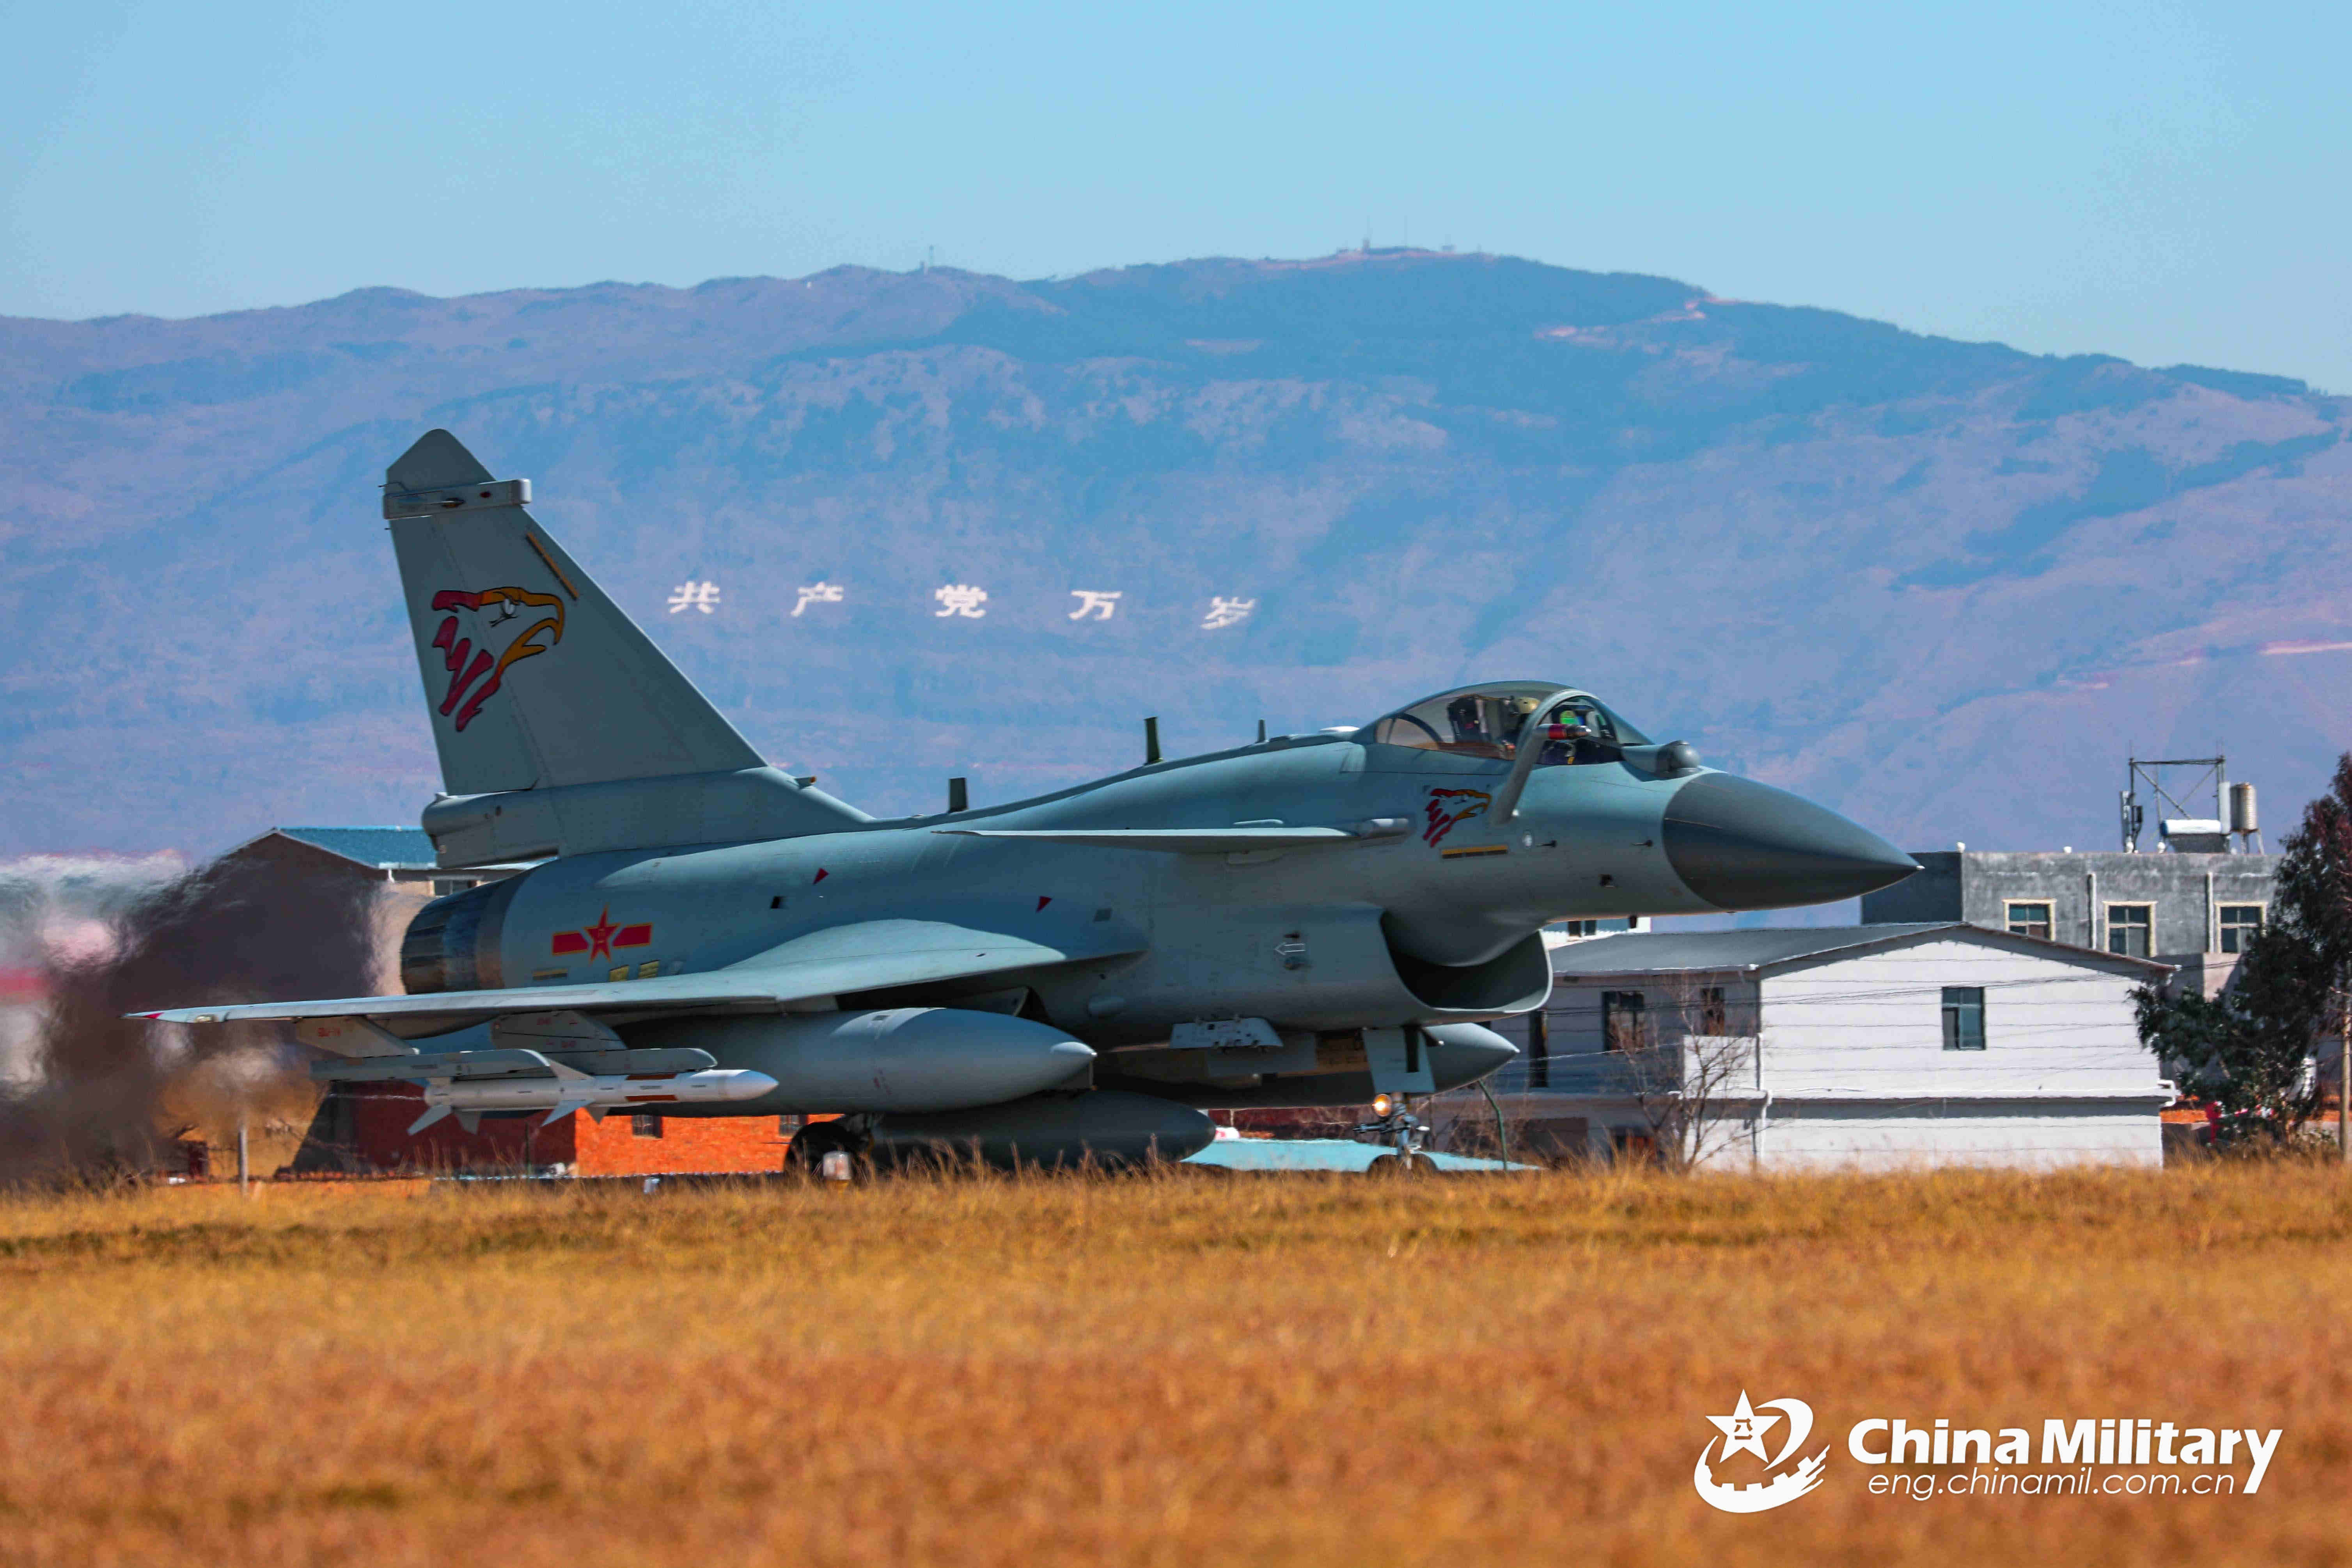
<point x="1693" y="1088"/>
<point x="2248" y="1050"/>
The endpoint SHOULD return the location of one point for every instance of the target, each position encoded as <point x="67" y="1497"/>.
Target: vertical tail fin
<point x="535" y="679"/>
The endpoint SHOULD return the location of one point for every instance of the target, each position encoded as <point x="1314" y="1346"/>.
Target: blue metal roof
<point x="403" y="848"/>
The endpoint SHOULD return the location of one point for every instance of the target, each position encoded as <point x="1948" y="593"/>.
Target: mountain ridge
<point x="1904" y="574"/>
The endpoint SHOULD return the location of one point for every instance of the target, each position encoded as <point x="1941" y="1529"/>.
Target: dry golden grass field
<point x="1178" y="1369"/>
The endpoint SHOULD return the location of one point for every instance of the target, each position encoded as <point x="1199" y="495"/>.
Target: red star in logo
<point x="600" y="936"/>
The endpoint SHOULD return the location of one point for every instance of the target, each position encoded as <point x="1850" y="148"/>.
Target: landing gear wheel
<point x="806" y="1152"/>
<point x="1394" y="1124"/>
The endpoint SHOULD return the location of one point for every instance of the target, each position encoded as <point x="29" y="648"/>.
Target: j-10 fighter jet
<point x="1306" y="920"/>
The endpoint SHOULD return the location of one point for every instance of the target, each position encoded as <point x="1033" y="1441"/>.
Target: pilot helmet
<point x="1571" y="720"/>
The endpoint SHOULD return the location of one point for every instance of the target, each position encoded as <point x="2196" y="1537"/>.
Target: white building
<point x="1850" y="1046"/>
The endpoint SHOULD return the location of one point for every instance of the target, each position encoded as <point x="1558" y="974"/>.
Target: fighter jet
<point x="1309" y="920"/>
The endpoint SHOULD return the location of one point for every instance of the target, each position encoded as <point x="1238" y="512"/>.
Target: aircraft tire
<point x="815" y="1141"/>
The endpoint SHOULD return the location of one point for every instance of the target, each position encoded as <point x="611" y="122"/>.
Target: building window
<point x="2029" y="920"/>
<point x="1624" y="1021"/>
<point x="2240" y="923"/>
<point x="1964" y="1018"/>
<point x="2131" y="929"/>
<point x="444" y="886"/>
<point x="1714" y="1018"/>
<point x="645" y="1123"/>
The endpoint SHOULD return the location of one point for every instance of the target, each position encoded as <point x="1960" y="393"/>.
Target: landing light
<point x="1383" y="1105"/>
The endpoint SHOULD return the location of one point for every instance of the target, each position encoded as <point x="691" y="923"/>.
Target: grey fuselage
<point x="1436" y="924"/>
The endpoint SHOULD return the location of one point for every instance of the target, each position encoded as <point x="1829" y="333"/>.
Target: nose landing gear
<point x="1394" y="1124"/>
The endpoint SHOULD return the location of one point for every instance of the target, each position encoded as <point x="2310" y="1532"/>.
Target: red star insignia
<point x="600" y="936"/>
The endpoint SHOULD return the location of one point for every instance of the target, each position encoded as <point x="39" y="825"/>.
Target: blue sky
<point x="2161" y="181"/>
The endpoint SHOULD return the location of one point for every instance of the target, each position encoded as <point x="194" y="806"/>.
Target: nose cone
<point x="1740" y="845"/>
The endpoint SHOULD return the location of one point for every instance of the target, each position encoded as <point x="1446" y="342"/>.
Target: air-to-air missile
<point x="567" y="1089"/>
<point x="1305" y="920"/>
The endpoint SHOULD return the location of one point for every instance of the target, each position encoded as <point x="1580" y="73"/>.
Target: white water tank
<point x="2194" y="836"/>
<point x="2242" y="817"/>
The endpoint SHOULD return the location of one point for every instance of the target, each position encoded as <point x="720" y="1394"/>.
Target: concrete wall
<point x="1977" y="887"/>
<point x="1931" y="893"/>
<point x="1815" y="1136"/>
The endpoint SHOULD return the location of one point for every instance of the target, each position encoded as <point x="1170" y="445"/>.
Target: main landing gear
<point x="834" y="1151"/>
<point x="1395" y="1123"/>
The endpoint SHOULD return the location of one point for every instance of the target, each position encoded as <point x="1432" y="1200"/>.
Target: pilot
<point x="1515" y="712"/>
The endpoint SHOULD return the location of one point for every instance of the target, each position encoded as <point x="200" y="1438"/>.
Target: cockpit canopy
<point x="1489" y="722"/>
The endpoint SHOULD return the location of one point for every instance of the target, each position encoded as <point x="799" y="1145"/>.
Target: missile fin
<point x="471" y="1121"/>
<point x="563" y="1107"/>
<point x="428" y="1119"/>
<point x="596" y="1115"/>
<point x="564" y="1074"/>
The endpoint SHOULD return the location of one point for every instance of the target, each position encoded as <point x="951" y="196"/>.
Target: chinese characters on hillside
<point x="1223" y="612"/>
<point x="958" y="601"/>
<point x="961" y="599"/>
